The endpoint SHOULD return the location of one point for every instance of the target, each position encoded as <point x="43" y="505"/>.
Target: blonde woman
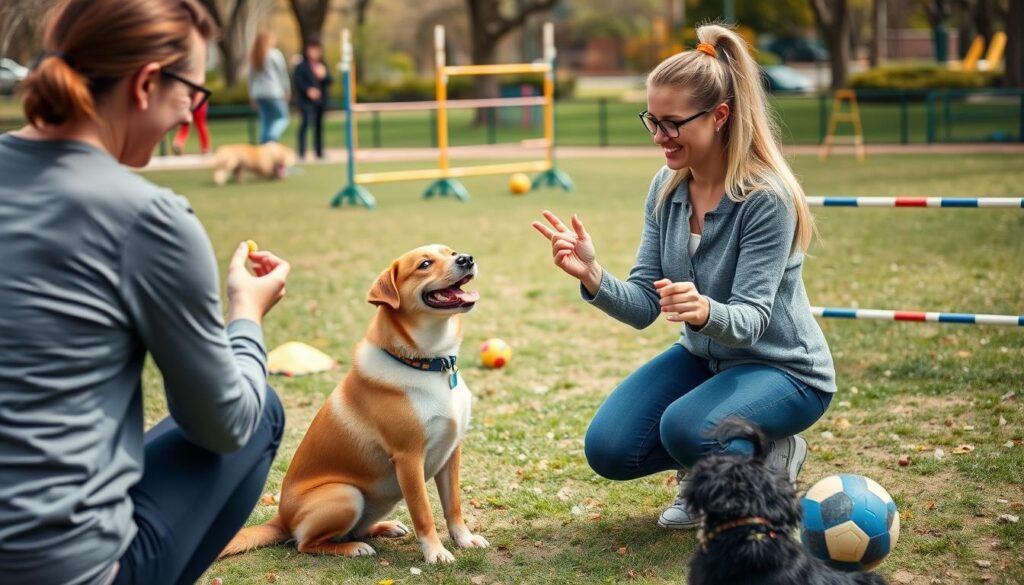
<point x="721" y="252"/>
<point x="269" y="87"/>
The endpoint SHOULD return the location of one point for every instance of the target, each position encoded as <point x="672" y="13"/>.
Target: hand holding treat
<point x="251" y="296"/>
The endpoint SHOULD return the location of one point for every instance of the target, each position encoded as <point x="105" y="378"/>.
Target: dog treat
<point x="252" y="246"/>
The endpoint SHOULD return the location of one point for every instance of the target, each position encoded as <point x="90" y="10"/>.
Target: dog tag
<point x="453" y="379"/>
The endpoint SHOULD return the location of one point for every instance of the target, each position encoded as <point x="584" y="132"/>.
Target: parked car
<point x="784" y="79"/>
<point x="11" y="74"/>
<point x="797" y="49"/>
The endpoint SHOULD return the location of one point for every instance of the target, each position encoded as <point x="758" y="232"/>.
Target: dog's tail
<point x="738" y="428"/>
<point x="273" y="532"/>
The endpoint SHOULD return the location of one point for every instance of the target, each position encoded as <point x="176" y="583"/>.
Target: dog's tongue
<point x="451" y="296"/>
<point x="466" y="296"/>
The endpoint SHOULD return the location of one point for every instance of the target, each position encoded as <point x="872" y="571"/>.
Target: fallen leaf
<point x="385" y="563"/>
<point x="621" y="551"/>
<point x="930" y="504"/>
<point x="968" y="427"/>
<point x="216" y="581"/>
<point x="1002" y="421"/>
<point x="962" y="449"/>
<point x="904" y="461"/>
<point x="476" y="504"/>
<point x="386" y="582"/>
<point x="843" y="423"/>
<point x="983" y="563"/>
<point x="593" y="516"/>
<point x="564" y="494"/>
<point x="271" y="578"/>
<point x="269" y="499"/>
<point x="477" y="580"/>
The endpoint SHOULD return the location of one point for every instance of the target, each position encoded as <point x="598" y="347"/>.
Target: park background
<point x="939" y="118"/>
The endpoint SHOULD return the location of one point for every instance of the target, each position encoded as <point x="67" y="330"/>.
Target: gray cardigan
<point x="744" y="267"/>
<point x="100" y="267"/>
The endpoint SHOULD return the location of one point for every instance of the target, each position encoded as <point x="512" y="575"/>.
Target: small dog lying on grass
<point x="270" y="161"/>
<point x="750" y="516"/>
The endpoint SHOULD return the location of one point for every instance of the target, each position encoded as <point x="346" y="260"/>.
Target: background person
<point x="312" y="82"/>
<point x="269" y="87"/>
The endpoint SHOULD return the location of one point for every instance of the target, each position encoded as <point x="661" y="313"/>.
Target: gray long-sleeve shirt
<point x="272" y="81"/>
<point x="744" y="266"/>
<point x="100" y="266"/>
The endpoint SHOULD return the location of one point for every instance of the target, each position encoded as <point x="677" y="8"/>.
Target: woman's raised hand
<point x="572" y="250"/>
<point x="251" y="296"/>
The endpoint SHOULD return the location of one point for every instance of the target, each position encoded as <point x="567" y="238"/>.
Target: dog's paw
<point x="437" y="553"/>
<point x="469" y="540"/>
<point x="389" y="529"/>
<point x="355" y="549"/>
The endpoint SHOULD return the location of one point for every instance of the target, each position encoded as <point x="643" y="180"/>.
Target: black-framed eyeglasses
<point x="197" y="93"/>
<point x="669" y="128"/>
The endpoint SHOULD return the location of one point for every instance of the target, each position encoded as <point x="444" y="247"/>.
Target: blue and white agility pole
<point x="352" y="194"/>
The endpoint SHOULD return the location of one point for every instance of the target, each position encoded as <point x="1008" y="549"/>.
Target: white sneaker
<point x="787" y="454"/>
<point x="678" y="516"/>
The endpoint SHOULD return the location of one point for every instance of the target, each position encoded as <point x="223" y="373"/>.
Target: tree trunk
<point x="228" y="62"/>
<point x="879" y="36"/>
<point x="488" y="26"/>
<point x="310" y="15"/>
<point x="833" y="18"/>
<point x="1015" y="46"/>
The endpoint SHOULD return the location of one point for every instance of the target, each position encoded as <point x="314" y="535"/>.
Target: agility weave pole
<point x="445" y="176"/>
<point x="919" y="202"/>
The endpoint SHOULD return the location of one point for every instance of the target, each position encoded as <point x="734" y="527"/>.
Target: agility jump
<point x="445" y="176"/>
<point x="919" y="202"/>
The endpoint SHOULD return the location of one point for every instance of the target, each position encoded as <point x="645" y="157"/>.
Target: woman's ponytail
<point x="54" y="93"/>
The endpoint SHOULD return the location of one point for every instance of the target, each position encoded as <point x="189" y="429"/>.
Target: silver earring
<point x="717" y="128"/>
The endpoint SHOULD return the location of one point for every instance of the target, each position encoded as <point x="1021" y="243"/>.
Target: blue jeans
<point x="658" y="418"/>
<point x="273" y="119"/>
<point x="191" y="501"/>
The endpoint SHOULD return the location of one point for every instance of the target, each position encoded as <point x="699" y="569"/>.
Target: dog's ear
<point x="385" y="290"/>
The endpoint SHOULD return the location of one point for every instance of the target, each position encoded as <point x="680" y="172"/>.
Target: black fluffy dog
<point x="750" y="518"/>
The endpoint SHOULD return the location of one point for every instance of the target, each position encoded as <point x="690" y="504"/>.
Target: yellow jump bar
<point x="416" y="174"/>
<point x="497" y="69"/>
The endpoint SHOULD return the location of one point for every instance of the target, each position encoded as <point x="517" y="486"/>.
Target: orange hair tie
<point x="707" y="49"/>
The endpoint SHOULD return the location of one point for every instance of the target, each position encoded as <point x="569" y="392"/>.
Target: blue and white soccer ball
<point x="850" y="522"/>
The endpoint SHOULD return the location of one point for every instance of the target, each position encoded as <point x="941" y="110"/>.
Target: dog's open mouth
<point x="452" y="297"/>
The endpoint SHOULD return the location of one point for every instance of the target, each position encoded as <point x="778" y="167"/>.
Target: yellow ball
<point x="519" y="184"/>
<point x="495" y="353"/>
<point x="252" y="246"/>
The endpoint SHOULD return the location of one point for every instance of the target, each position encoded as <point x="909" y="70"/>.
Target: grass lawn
<point x="905" y="388"/>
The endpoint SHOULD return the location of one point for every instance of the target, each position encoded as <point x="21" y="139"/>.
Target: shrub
<point x="922" y="77"/>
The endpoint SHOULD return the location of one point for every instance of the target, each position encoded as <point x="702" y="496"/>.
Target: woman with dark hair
<point x="312" y="82"/>
<point x="100" y="268"/>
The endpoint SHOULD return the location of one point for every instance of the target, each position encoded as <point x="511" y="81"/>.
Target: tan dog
<point x="394" y="422"/>
<point x="269" y="161"/>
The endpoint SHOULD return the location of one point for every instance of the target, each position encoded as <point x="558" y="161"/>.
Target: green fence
<point x="889" y="117"/>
